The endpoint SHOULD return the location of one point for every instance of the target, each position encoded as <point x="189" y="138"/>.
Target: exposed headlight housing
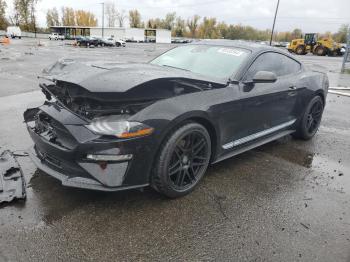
<point x="113" y="126"/>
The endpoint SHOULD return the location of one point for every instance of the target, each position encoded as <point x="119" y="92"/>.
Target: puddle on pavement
<point x="56" y="201"/>
<point x="49" y="201"/>
<point x="323" y="169"/>
<point x="284" y="149"/>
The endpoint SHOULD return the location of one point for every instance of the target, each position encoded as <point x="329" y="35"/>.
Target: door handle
<point x="293" y="87"/>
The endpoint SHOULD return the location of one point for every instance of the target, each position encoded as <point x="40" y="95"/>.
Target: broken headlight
<point x="114" y="126"/>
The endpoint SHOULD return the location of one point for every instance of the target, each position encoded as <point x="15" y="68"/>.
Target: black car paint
<point x="228" y="108"/>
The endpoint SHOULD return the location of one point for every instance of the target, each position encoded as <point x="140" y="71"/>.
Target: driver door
<point x="268" y="106"/>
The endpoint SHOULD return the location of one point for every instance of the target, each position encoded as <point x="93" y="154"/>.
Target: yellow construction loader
<point x="310" y="44"/>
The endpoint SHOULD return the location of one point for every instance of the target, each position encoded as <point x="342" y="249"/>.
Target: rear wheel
<point x="311" y="119"/>
<point x="182" y="161"/>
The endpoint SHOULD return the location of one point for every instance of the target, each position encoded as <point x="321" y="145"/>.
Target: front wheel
<point x="182" y="161"/>
<point x="311" y="119"/>
<point x="320" y="51"/>
<point x="300" y="50"/>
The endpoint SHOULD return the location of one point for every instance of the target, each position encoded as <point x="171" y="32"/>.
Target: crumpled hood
<point x="115" y="77"/>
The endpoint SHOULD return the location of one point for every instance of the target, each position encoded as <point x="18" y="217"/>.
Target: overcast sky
<point x="309" y="15"/>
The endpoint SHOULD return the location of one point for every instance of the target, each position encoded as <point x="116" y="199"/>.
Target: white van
<point x="14" y="31"/>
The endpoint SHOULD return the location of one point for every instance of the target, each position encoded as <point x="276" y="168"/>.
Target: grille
<point x="53" y="131"/>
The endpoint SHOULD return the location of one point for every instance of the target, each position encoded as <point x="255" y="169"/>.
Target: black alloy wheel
<point x="183" y="160"/>
<point x="188" y="159"/>
<point x="314" y="117"/>
<point x="311" y="119"/>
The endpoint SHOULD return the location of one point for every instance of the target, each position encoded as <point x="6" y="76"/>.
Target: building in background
<point x="128" y="34"/>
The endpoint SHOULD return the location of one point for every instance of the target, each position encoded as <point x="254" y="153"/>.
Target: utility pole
<point x="103" y="18"/>
<point x="274" y="21"/>
<point x="346" y="58"/>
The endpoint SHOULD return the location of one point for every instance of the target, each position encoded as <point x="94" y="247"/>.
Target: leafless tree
<point x="111" y="14"/>
<point x="121" y="16"/>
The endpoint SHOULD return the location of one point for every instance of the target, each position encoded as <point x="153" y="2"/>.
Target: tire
<point x="182" y="161"/>
<point x="300" y="50"/>
<point x="117" y="44"/>
<point x="310" y="120"/>
<point x="320" y="51"/>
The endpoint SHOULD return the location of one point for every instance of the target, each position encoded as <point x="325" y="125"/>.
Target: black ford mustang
<point x="120" y="126"/>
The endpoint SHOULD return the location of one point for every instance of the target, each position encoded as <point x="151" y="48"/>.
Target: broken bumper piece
<point x="12" y="185"/>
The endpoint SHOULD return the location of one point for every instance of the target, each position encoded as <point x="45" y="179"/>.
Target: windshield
<point x="212" y="61"/>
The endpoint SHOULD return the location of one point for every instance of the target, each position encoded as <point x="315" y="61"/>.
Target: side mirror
<point x="264" y="77"/>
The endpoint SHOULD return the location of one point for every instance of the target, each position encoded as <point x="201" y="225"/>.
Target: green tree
<point x="3" y="19"/>
<point x="169" y="21"/>
<point x="341" y="35"/>
<point x="207" y="28"/>
<point x="222" y="29"/>
<point x="193" y="24"/>
<point x="297" y="33"/>
<point x="135" y="19"/>
<point x="180" y="27"/>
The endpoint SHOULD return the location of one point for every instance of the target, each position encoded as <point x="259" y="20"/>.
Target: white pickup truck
<point x="56" y="36"/>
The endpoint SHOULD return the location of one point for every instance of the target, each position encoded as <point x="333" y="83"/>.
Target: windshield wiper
<point x="177" y="68"/>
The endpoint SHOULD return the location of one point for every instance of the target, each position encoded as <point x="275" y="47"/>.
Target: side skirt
<point x="254" y="145"/>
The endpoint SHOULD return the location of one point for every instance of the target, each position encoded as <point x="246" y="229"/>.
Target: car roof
<point x="252" y="46"/>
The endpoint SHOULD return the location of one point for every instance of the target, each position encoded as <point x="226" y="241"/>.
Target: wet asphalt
<point x="288" y="200"/>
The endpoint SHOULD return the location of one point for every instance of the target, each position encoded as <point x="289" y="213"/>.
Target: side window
<point x="279" y="64"/>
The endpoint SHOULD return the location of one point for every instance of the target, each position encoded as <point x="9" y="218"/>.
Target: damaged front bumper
<point x="75" y="181"/>
<point x="66" y="150"/>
